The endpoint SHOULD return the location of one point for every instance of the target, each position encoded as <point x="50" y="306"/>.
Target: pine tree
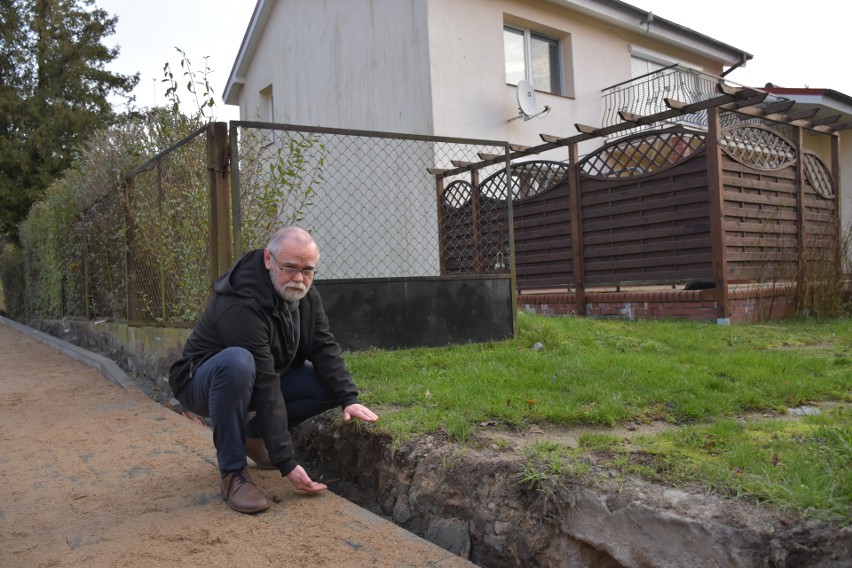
<point x="54" y="92"/>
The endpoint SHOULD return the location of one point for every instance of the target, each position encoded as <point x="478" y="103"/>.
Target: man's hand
<point x="360" y="412"/>
<point x="300" y="480"/>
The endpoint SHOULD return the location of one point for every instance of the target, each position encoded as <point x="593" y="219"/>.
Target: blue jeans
<point x="221" y="389"/>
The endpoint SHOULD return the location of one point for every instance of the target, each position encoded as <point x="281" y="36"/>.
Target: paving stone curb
<point x="106" y="367"/>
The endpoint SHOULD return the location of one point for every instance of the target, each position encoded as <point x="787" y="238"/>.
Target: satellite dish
<point x="526" y="102"/>
<point x="526" y="98"/>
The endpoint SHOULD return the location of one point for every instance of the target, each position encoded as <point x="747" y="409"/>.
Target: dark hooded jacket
<point x="246" y="311"/>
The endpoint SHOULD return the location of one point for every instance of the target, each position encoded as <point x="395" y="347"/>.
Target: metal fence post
<point x="442" y="239"/>
<point x="476" y="220"/>
<point x="513" y="275"/>
<point x="236" y="207"/>
<point x="132" y="294"/>
<point x="160" y="269"/>
<point x="86" y="284"/>
<point x="220" y="226"/>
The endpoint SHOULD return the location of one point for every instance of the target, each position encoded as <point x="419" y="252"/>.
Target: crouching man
<point x="263" y="344"/>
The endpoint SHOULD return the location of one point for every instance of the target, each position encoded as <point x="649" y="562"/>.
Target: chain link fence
<point x="143" y="248"/>
<point x="372" y="201"/>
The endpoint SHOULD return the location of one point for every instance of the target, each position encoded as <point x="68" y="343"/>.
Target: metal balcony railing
<point x="645" y="95"/>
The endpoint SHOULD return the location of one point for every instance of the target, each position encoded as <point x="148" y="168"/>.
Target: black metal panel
<point x="418" y="312"/>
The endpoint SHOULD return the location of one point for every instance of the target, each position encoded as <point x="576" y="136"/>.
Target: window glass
<point x="545" y="63"/>
<point x="513" y="42"/>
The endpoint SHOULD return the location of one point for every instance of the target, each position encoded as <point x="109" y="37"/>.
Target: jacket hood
<point x="248" y="278"/>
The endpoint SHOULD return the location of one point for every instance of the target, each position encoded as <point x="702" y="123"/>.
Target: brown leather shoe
<point x="256" y="450"/>
<point x="242" y="494"/>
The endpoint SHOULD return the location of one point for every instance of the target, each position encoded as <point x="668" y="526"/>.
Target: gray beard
<point x="293" y="294"/>
<point x="290" y="292"/>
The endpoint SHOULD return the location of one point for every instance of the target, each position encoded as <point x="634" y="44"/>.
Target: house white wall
<point x="434" y="67"/>
<point x="359" y="65"/>
<point x="469" y="91"/>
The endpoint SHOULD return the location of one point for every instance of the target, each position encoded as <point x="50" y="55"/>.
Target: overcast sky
<point x="797" y="44"/>
<point x="148" y="31"/>
<point x="794" y="44"/>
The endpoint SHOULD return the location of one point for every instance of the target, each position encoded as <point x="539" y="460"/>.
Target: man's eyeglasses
<point x="291" y="271"/>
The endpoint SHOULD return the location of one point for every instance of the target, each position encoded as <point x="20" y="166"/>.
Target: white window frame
<point x="267" y="111"/>
<point x="267" y="103"/>
<point x="528" y="35"/>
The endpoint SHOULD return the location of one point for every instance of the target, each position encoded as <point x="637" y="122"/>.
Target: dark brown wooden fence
<point x="761" y="222"/>
<point x="645" y="213"/>
<point x="647" y="228"/>
<point x="543" y="245"/>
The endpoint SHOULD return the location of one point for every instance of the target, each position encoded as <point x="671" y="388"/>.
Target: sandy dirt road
<point x="93" y="475"/>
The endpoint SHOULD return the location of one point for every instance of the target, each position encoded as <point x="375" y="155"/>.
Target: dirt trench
<point x="468" y="499"/>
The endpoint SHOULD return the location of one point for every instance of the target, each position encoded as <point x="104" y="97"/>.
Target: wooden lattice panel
<point x="532" y="178"/>
<point x="528" y="179"/>
<point x="818" y="175"/>
<point x="474" y="231"/>
<point x="457" y="194"/>
<point x="475" y="224"/>
<point x="457" y="243"/>
<point x="642" y="154"/>
<point x="757" y="147"/>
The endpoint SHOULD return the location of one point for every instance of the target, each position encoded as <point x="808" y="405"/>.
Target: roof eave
<point x="630" y="17"/>
<point x="258" y="22"/>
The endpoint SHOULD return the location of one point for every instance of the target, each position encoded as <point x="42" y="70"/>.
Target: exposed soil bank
<point x="468" y="500"/>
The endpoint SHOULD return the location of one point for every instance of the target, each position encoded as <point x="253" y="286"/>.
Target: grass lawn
<point x="702" y="377"/>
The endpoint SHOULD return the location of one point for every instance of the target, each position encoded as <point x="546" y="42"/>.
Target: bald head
<point x="291" y="236"/>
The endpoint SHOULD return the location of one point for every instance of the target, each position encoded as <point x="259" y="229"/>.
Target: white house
<point x="450" y="67"/>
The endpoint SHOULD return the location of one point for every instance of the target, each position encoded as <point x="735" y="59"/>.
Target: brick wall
<point x="746" y="305"/>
